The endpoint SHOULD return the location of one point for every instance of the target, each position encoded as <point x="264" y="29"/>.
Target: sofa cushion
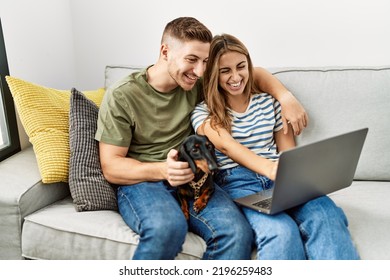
<point x="365" y="204"/>
<point x="360" y="93"/>
<point x="60" y="232"/>
<point x="88" y="187"/>
<point x="21" y="196"/>
<point x="114" y="73"/>
<point x="44" y="113"/>
<point x="361" y="96"/>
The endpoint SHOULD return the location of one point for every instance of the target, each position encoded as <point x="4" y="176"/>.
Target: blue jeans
<point x="317" y="229"/>
<point x="152" y="210"/>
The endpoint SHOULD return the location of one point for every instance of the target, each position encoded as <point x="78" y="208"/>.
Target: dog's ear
<point x="183" y="155"/>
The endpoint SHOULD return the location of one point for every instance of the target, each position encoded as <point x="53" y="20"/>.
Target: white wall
<point x="39" y="43"/>
<point x="277" y="32"/>
<point x="66" y="43"/>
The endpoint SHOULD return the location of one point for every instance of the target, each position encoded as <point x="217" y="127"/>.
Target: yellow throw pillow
<point x="44" y="113"/>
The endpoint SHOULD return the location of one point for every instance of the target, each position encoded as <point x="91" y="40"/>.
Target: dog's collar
<point x="197" y="185"/>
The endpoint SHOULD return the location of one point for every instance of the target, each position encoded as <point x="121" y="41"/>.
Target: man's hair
<point x="187" y="29"/>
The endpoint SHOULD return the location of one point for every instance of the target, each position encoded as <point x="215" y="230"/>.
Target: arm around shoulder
<point x="292" y="111"/>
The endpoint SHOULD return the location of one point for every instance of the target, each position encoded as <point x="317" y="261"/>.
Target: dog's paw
<point x="186" y="214"/>
<point x="199" y="205"/>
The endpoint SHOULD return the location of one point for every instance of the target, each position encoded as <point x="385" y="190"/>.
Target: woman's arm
<point x="284" y="141"/>
<point x="292" y="111"/>
<point x="224" y="142"/>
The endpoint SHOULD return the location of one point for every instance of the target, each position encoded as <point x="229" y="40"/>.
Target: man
<point x="143" y="120"/>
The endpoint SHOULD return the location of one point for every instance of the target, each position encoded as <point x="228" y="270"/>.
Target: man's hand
<point x="292" y="111"/>
<point x="293" y="114"/>
<point x="177" y="172"/>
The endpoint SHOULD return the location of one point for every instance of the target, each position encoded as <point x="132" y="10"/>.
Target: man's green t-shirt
<point x="133" y="114"/>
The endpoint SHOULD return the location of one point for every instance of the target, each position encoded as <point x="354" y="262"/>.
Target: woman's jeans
<point x="317" y="229"/>
<point x="151" y="210"/>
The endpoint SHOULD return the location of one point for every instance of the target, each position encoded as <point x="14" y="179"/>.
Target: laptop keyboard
<point x="266" y="203"/>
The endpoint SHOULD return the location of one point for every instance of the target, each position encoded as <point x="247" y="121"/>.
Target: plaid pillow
<point x="89" y="189"/>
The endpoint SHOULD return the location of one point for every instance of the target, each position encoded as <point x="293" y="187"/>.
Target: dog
<point x="199" y="152"/>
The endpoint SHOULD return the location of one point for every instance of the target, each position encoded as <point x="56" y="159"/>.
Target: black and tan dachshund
<point x="199" y="152"/>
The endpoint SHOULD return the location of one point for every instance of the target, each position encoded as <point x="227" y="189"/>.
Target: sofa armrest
<point x="22" y="193"/>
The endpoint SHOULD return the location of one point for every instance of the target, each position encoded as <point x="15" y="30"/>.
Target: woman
<point x="245" y="126"/>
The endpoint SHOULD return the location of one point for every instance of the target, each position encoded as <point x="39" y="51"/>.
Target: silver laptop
<point x="310" y="171"/>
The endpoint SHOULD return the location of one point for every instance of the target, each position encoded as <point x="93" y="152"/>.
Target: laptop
<point x="310" y="171"/>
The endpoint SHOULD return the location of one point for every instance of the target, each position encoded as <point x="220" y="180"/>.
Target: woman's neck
<point x="239" y="103"/>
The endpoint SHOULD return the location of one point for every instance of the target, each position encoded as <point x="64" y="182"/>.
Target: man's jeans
<point x="151" y="210"/>
<point x="317" y="229"/>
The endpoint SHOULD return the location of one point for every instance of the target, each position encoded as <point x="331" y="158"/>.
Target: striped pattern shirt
<point x="254" y="128"/>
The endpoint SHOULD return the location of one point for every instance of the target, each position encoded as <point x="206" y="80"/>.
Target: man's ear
<point x="164" y="51"/>
<point x="183" y="155"/>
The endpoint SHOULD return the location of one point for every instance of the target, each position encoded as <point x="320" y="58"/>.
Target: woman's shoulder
<point x="261" y="98"/>
<point x="201" y="106"/>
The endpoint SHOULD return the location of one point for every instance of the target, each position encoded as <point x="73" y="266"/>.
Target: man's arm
<point x="121" y="170"/>
<point x="292" y="111"/>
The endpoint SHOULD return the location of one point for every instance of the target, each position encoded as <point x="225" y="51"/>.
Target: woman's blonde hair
<point x="215" y="96"/>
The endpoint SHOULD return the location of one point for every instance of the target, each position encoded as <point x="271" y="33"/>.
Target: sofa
<point x="40" y="220"/>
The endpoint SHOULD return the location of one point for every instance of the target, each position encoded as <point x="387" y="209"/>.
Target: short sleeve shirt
<point x="254" y="128"/>
<point x="133" y="114"/>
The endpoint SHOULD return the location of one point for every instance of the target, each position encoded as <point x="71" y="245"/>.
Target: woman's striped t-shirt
<point x="254" y="128"/>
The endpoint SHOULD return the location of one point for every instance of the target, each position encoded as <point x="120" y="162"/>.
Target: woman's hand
<point x="272" y="170"/>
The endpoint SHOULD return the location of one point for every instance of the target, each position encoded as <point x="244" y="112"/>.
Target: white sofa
<point x="39" y="221"/>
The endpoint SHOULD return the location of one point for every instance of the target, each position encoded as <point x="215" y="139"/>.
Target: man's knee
<point x="168" y="228"/>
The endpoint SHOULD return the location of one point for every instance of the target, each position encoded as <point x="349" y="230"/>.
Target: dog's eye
<point x="195" y="150"/>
